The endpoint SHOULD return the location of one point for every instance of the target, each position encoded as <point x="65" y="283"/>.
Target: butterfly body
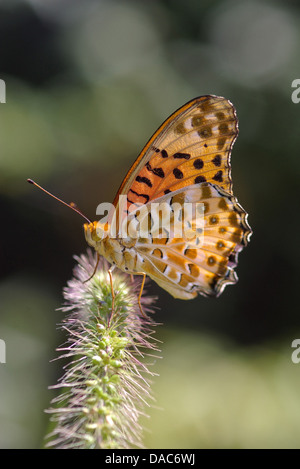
<point x="187" y="161"/>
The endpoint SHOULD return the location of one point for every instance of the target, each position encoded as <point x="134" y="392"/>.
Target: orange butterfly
<point x="187" y="160"/>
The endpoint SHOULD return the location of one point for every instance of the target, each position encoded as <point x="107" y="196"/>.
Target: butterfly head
<point x="95" y="232"/>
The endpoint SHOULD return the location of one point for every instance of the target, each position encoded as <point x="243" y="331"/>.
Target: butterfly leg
<point x="95" y="269"/>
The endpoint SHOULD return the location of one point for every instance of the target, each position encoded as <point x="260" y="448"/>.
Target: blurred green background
<point x="87" y="85"/>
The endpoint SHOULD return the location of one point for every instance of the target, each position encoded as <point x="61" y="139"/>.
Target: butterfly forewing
<point x="192" y="146"/>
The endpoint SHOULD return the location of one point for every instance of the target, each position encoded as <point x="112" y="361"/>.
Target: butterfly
<point x="187" y="160"/>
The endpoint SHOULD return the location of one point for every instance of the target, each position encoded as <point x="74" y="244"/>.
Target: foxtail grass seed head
<point x="105" y="387"/>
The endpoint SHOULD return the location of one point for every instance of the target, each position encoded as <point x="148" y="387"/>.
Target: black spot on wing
<point x="218" y="176"/>
<point x="140" y="195"/>
<point x="157" y="150"/>
<point x="177" y="173"/>
<point x="185" y="156"/>
<point x="200" y="179"/>
<point x="144" y="180"/>
<point x="217" y="160"/>
<point x="158" y="172"/>
<point x="198" y="163"/>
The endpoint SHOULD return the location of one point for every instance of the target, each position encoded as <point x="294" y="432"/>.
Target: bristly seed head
<point x="105" y="386"/>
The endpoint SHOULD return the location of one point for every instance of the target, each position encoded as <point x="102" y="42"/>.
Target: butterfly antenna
<point x="71" y="205"/>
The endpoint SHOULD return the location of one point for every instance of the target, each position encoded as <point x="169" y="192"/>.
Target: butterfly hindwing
<point x="185" y="267"/>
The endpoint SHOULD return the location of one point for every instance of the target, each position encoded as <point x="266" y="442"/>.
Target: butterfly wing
<point x="188" y="159"/>
<point x="192" y="146"/>
<point x="180" y="265"/>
